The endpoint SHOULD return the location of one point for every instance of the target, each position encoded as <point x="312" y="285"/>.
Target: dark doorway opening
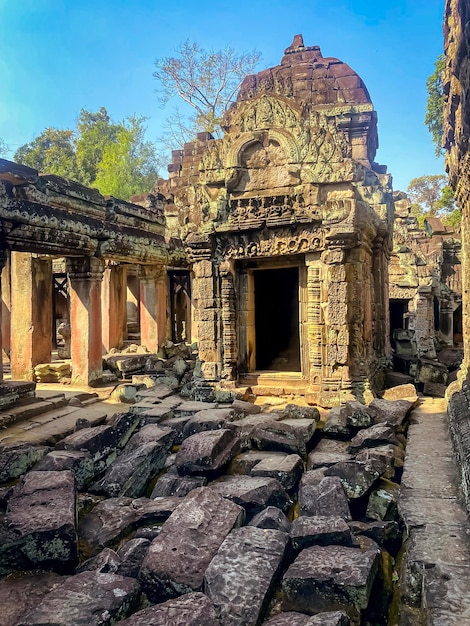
<point x="398" y="319"/>
<point x="458" y="329"/>
<point x="277" y="319"/>
<point x="180" y="301"/>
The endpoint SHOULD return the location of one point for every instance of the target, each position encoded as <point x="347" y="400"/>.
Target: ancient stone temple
<point x="287" y="223"/>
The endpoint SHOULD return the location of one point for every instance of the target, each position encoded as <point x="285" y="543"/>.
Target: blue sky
<point x="57" y="56"/>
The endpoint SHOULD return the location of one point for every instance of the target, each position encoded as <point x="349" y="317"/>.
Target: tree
<point x="435" y="104"/>
<point x="433" y="197"/>
<point x="128" y="165"/>
<point x="52" y="152"/>
<point x="207" y="81"/>
<point x="112" y="156"/>
<point x="95" y="131"/>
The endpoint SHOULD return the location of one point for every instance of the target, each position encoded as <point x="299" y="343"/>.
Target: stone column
<point x="85" y="276"/>
<point x="207" y="314"/>
<point x="114" y="305"/>
<point x="229" y="317"/>
<point x="31" y="314"/>
<point x="5" y="293"/>
<point x="152" y="306"/>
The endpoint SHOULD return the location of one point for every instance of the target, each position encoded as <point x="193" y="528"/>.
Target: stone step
<point x="274" y="383"/>
<point x="50" y="427"/>
<point x="24" y="412"/>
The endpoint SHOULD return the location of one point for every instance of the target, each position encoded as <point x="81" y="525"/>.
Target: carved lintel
<point x="85" y="268"/>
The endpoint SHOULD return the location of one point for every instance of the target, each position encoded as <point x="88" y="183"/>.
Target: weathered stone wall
<point x="456" y="142"/>
<point x="292" y="183"/>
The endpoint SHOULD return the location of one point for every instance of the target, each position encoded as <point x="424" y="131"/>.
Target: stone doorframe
<point x="309" y="290"/>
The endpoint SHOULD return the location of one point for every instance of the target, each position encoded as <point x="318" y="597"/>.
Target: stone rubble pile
<point x="186" y="512"/>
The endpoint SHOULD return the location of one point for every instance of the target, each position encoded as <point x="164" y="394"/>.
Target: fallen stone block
<point x="151" y="413"/>
<point x="126" y="364"/>
<point x="383" y="502"/>
<point x="106" y="562"/>
<point x="319" y="531"/>
<point x="291" y="618"/>
<point x="42" y="515"/>
<point x="16" y="459"/>
<point x="377" y="435"/>
<point x="87" y="599"/>
<point x="124" y="425"/>
<point x="295" y="411"/>
<point x="286" y="468"/>
<point x="79" y="463"/>
<point x="305" y="428"/>
<point x="324" y="498"/>
<point x="111" y="520"/>
<point x="190" y="609"/>
<point x="174" y="485"/>
<point x="402" y="392"/>
<point x="131" y="555"/>
<point x="152" y="433"/>
<point x="178" y="558"/>
<point x="189" y="407"/>
<point x="208" y="419"/>
<point x="240" y="577"/>
<point x="391" y="412"/>
<point x="386" y="534"/>
<point x="206" y="452"/>
<point x="21" y="592"/>
<point x="328" y="452"/>
<point x="242" y="408"/>
<point x="131" y="472"/>
<point x="382" y="459"/>
<point x="331" y="578"/>
<point x="244" y="462"/>
<point x="177" y="425"/>
<point x="357" y="478"/>
<point x="100" y="441"/>
<point x="336" y="424"/>
<point x="253" y="493"/>
<point x="358" y="415"/>
<point x="278" y="435"/>
<point x="271" y="518"/>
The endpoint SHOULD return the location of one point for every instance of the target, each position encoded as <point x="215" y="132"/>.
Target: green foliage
<point x="426" y="191"/>
<point x="95" y="131"/>
<point x="207" y="81"/>
<point x="51" y="152"/>
<point x="128" y="165"/>
<point x="100" y="153"/>
<point x="431" y="196"/>
<point x="435" y="104"/>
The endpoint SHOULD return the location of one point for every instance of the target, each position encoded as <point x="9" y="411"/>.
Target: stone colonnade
<point x="98" y="318"/>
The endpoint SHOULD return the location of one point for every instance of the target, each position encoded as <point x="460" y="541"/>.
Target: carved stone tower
<point x="287" y="221"/>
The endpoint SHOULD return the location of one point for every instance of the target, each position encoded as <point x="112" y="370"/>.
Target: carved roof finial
<point x="297" y="42"/>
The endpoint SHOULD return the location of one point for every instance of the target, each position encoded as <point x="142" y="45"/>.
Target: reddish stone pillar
<point x="5" y="307"/>
<point x="31" y="314"/>
<point x="85" y="276"/>
<point x="3" y="260"/>
<point x="152" y="307"/>
<point x="113" y="304"/>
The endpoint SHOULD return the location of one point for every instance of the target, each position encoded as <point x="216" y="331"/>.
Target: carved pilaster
<point x="229" y="317"/>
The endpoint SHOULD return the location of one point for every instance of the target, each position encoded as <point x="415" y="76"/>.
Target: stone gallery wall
<point x="456" y="142"/>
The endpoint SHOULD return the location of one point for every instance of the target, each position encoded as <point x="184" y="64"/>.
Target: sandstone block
<point x="131" y="472"/>
<point x="152" y="433"/>
<point x="243" y="463"/>
<point x="87" y="599"/>
<point x="295" y="411"/>
<point x="20" y="593"/>
<point x="291" y="618"/>
<point x="190" y="609"/>
<point x="253" y="493"/>
<point x="356" y="478"/>
<point x="174" y="485"/>
<point x="131" y="555"/>
<point x="240" y="407"/>
<point x="18" y="458"/>
<point x="79" y="463"/>
<point x="286" y="468"/>
<point x="325" y="498"/>
<point x="328" y="578"/>
<point x="277" y="435"/>
<point x="271" y="518"/>
<point x="357" y="415"/>
<point x="336" y="425"/>
<point x="390" y="412"/>
<point x="239" y="577"/>
<point x="319" y="531"/>
<point x="107" y="561"/>
<point x="208" y="419"/>
<point x="178" y="558"/>
<point x="207" y="451"/>
<point x="328" y="452"/>
<point x="377" y="435"/>
<point x="99" y="441"/>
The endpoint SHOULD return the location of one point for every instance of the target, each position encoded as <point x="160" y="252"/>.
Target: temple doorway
<point x="277" y="319"/>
